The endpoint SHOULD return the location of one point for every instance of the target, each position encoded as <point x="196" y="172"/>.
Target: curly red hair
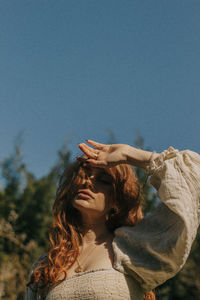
<point x="65" y="235"/>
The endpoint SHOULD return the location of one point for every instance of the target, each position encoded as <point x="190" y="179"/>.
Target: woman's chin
<point x="80" y="203"/>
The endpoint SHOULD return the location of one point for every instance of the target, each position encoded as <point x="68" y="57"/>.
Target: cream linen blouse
<point x="154" y="250"/>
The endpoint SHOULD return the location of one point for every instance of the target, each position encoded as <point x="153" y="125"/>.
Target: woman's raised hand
<point x="110" y="155"/>
<point x="103" y="155"/>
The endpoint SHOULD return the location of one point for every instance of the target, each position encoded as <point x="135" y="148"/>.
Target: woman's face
<point x="94" y="194"/>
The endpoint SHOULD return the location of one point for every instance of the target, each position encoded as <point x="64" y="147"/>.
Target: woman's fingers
<point x="95" y="144"/>
<point x="90" y="152"/>
<point x="90" y="148"/>
<point x="95" y="163"/>
<point x="91" y="162"/>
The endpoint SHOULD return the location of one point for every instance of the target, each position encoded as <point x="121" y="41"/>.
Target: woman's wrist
<point x="137" y="157"/>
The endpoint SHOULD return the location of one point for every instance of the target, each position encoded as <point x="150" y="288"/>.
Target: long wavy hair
<point x="66" y="233"/>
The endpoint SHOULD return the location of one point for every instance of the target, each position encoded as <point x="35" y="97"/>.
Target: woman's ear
<point x="112" y="211"/>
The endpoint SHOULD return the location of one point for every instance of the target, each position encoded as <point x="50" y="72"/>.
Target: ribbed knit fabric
<point x="97" y="285"/>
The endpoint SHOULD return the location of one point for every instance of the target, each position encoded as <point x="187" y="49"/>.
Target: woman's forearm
<point x="137" y="157"/>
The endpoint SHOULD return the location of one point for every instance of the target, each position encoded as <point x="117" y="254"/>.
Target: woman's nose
<point x="88" y="180"/>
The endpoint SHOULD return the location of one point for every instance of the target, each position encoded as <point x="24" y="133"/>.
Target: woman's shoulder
<point x="33" y="288"/>
<point x="40" y="260"/>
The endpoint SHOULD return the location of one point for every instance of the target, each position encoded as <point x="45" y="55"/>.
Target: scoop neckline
<point x="90" y="271"/>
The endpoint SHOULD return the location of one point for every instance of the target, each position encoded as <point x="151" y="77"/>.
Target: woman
<point x="96" y="249"/>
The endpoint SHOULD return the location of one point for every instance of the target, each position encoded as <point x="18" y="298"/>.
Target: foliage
<point x="25" y="216"/>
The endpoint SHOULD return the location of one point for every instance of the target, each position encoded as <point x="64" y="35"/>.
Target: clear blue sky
<point x="78" y="68"/>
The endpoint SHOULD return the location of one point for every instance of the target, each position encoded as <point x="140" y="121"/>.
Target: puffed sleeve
<point x="30" y="295"/>
<point x="157" y="247"/>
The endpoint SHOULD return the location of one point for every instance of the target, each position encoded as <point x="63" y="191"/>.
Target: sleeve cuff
<point x="158" y="161"/>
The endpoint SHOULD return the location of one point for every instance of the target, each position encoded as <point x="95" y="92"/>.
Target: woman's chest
<point x="101" y="258"/>
<point x="102" y="284"/>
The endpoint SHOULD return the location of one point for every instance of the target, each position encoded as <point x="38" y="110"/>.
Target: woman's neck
<point x="95" y="231"/>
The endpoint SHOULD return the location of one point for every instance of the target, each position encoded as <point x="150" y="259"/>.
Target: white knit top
<point x="152" y="251"/>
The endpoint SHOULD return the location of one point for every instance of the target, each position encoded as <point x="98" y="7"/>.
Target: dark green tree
<point x="25" y="217"/>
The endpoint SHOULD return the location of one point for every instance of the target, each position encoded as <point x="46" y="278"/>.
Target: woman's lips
<point x="84" y="194"/>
